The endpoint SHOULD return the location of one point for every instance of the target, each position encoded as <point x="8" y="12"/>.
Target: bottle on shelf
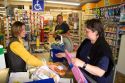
<point x="37" y="42"/>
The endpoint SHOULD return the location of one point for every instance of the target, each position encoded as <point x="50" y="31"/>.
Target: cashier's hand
<point x="60" y="55"/>
<point x="77" y="62"/>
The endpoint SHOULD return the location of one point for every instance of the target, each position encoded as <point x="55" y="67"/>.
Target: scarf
<point x="97" y="52"/>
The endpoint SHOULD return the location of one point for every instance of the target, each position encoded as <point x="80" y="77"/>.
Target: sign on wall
<point x="38" y="5"/>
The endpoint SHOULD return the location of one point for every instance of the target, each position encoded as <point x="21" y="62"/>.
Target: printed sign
<point x="38" y="5"/>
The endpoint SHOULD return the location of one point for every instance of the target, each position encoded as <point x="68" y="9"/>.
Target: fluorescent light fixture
<point x="57" y="2"/>
<point x="2" y="11"/>
<point x="65" y="3"/>
<point x="60" y="10"/>
<point x="2" y="7"/>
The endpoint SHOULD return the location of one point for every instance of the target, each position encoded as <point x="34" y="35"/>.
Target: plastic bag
<point x="75" y="70"/>
<point x="45" y="73"/>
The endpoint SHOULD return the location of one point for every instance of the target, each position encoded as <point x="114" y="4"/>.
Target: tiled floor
<point x="120" y="78"/>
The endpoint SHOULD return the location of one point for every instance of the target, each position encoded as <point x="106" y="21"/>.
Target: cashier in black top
<point x="94" y="56"/>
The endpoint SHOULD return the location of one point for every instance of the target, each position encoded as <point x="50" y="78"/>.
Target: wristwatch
<point x="84" y="66"/>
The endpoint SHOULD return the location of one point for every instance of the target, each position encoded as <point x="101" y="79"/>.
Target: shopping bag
<point x="75" y="70"/>
<point x="53" y="53"/>
<point x="43" y="73"/>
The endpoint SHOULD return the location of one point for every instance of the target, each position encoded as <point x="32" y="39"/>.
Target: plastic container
<point x="2" y="58"/>
<point x="53" y="53"/>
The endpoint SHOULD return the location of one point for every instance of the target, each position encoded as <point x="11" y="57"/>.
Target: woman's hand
<point x="94" y="70"/>
<point x="77" y="62"/>
<point x="60" y="55"/>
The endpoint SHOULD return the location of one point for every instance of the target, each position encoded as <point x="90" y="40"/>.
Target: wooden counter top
<point x="46" y="56"/>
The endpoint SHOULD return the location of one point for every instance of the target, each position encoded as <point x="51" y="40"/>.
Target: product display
<point x="74" y="21"/>
<point x="2" y="33"/>
<point x="58" y="67"/>
<point x="111" y="35"/>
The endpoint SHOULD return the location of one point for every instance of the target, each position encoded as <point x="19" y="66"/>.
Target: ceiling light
<point x="56" y="2"/>
<point x="66" y="3"/>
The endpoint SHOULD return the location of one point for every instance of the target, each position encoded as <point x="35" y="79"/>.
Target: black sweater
<point x="97" y="52"/>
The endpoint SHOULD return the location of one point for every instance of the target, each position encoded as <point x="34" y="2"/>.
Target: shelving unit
<point x="112" y="37"/>
<point x="74" y="21"/>
<point x="37" y="24"/>
<point x="110" y="16"/>
<point x="2" y="32"/>
<point x="5" y="28"/>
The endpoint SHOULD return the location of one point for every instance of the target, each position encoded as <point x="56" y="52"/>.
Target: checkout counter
<point x="4" y="73"/>
<point x="67" y="78"/>
<point x="40" y="54"/>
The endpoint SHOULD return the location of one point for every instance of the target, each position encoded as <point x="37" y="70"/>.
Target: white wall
<point x="121" y="58"/>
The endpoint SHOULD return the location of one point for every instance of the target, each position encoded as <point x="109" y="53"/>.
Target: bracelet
<point x="84" y="66"/>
